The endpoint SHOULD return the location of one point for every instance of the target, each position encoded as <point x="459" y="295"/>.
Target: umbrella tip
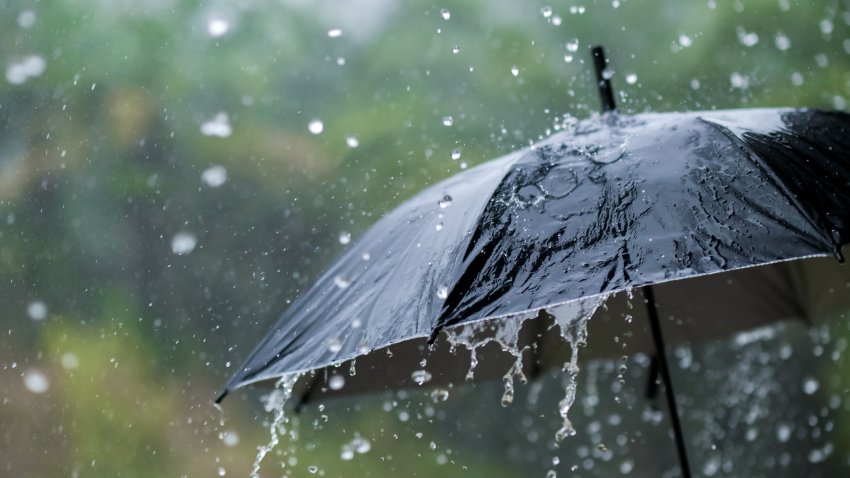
<point x="221" y="394"/>
<point x="603" y="79"/>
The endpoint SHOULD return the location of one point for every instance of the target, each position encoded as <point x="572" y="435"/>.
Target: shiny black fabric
<point x="614" y="203"/>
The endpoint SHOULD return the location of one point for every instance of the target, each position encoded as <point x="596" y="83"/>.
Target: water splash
<point x="275" y="402"/>
<point x="571" y="319"/>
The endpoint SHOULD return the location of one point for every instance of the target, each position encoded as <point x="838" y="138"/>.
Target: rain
<point x="177" y="178"/>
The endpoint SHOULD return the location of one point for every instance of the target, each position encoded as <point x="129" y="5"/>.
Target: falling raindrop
<point x="218" y="126"/>
<point x="334" y="345"/>
<point x="455" y="49"/>
<point x="439" y="395"/>
<point x="445" y="13"/>
<point x="316" y="126"/>
<point x="344" y="238"/>
<point x="69" y="361"/>
<point x="631" y="78"/>
<point x="37" y="310"/>
<point x="335" y="33"/>
<point x="685" y="41"/>
<point x="342" y="281"/>
<point x="546" y="11"/>
<point x="442" y="292"/>
<point x="438" y="227"/>
<point x="572" y="45"/>
<point x="336" y="382"/>
<point x="514" y="71"/>
<point x="183" y="243"/>
<point x="445" y="202"/>
<point x="455" y="154"/>
<point x="782" y="42"/>
<point x="420" y="377"/>
<point x="352" y="142"/>
<point x="214" y="176"/>
<point x="217" y="27"/>
<point x="810" y="385"/>
<point x="448" y="121"/>
<point x="36" y="382"/>
<point x="18" y="72"/>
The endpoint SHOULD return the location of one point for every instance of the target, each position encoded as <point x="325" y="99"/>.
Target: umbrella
<point x="610" y="204"/>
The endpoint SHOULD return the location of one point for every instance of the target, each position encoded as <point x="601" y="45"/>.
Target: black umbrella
<point x="611" y="204"/>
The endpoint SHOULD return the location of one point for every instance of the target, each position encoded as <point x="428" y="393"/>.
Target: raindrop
<point x="442" y="292"/>
<point x="573" y="45"/>
<point x="783" y="432"/>
<point x="556" y="20"/>
<point x="739" y="81"/>
<point x="810" y="385"/>
<point x="448" y="121"/>
<point x="312" y="469"/>
<point x="344" y="238"/>
<point x="18" y="72"/>
<point x="183" y="243"/>
<point x="826" y="26"/>
<point x="515" y="71"/>
<point x="347" y="453"/>
<point x="218" y="126"/>
<point x="361" y="445"/>
<point x="37" y="310"/>
<point x="342" y="281"/>
<point x="36" y="382"/>
<point x="439" y="395"/>
<point x="334" y="345"/>
<point x="438" y="227"/>
<point x="445" y="13"/>
<point x="782" y="42"/>
<point x="352" y="142"/>
<point x="221" y="471"/>
<point x="334" y="33"/>
<point x="546" y="11"/>
<point x="336" y="382"/>
<point x="214" y="176"/>
<point x="455" y="154"/>
<point x="631" y="78"/>
<point x="455" y="49"/>
<point x="69" y="361"/>
<point x="551" y="474"/>
<point x="217" y="27"/>
<point x="366" y="256"/>
<point x="748" y="39"/>
<point x="445" y="202"/>
<point x="420" y="377"/>
<point x="230" y="438"/>
<point x="316" y="126"/>
<point x="26" y="19"/>
<point x="685" y="41"/>
<point x="568" y="58"/>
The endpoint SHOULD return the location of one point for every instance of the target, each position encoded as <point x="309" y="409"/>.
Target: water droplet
<point x="316" y="126"/>
<point x="810" y="385"/>
<point x="336" y="382"/>
<point x="26" y="19"/>
<point x="347" y="453"/>
<point x="334" y="345"/>
<point x="31" y="66"/>
<point x="445" y="202"/>
<point x="783" y="433"/>
<point x="218" y="126"/>
<point x="230" y="438"/>
<point x="739" y="81"/>
<point x="217" y="27"/>
<point x="344" y="238"/>
<point x="455" y="49"/>
<point x="352" y="142"/>
<point x="782" y="42"/>
<point x="69" y="361"/>
<point x="631" y="78"/>
<point x="312" y="469"/>
<point x="183" y="243"/>
<point x="342" y="281"/>
<point x="448" y="121"/>
<point x="37" y="310"/>
<point x="214" y="176"/>
<point x="546" y="11"/>
<point x="356" y="324"/>
<point x="551" y="474"/>
<point x="439" y="395"/>
<point x="366" y="256"/>
<point x="438" y="227"/>
<point x="335" y="33"/>
<point x="420" y="376"/>
<point x="36" y="382"/>
<point x="685" y="41"/>
<point x="514" y="71"/>
<point x="445" y="13"/>
<point x="221" y="471"/>
<point x="568" y="58"/>
<point x="573" y="45"/>
<point x="442" y="292"/>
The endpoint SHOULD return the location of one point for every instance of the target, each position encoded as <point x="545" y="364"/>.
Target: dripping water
<point x="275" y="402"/>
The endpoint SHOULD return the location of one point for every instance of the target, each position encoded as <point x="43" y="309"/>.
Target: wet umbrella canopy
<point x="610" y="204"/>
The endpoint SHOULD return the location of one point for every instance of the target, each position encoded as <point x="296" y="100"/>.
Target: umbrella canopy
<point x="610" y="204"/>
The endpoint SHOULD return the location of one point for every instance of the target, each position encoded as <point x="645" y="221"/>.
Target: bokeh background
<point x="174" y="173"/>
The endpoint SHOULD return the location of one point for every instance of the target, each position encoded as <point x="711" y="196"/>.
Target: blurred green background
<point x="172" y="174"/>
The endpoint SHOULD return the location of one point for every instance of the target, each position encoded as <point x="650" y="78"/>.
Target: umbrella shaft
<point x="658" y="338"/>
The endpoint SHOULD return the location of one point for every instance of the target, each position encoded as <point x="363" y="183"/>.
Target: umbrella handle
<point x="606" y="92"/>
<point x="658" y="338"/>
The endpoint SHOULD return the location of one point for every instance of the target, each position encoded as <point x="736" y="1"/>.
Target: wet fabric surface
<point x="611" y="204"/>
